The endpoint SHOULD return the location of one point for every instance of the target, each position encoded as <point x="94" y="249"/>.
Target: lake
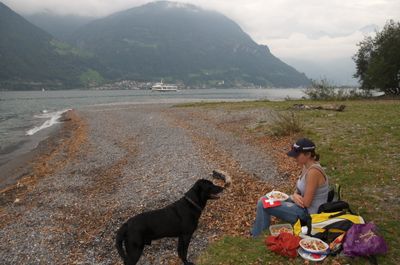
<point x="27" y="117"/>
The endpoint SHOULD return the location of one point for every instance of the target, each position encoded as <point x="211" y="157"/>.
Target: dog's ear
<point x="204" y="189"/>
<point x="202" y="185"/>
<point x="196" y="188"/>
<point x="199" y="184"/>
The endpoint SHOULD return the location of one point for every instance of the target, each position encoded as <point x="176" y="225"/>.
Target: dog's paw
<point x="188" y="263"/>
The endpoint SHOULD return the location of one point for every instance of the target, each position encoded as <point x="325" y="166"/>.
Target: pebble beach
<point x="109" y="163"/>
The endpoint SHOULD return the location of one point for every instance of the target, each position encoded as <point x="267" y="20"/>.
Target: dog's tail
<point x="120" y="240"/>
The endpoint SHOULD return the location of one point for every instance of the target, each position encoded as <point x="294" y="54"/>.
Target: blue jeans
<point x="287" y="211"/>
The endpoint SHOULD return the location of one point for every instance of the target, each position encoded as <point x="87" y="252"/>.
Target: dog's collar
<point x="193" y="203"/>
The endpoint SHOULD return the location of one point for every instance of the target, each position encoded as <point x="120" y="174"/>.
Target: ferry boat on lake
<point x="161" y="87"/>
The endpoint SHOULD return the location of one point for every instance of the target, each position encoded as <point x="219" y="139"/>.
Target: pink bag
<point x="364" y="240"/>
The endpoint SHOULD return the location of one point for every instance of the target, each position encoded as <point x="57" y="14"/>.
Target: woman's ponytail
<point x="315" y="155"/>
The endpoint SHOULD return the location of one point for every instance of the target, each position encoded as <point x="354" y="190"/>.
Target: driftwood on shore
<point x="333" y="107"/>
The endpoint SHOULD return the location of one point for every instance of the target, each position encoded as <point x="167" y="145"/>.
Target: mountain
<point x="176" y="41"/>
<point x="31" y="57"/>
<point x="60" y="26"/>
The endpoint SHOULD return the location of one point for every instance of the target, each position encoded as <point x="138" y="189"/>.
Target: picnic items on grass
<point x="314" y="245"/>
<point x="313" y="249"/>
<point x="280" y="228"/>
<point x="359" y="240"/>
<point x="364" y="240"/>
<point x="327" y="226"/>
<point x="336" y="206"/>
<point x="335" y="193"/>
<point x="335" y="228"/>
<point x="284" y="244"/>
<point x="311" y="256"/>
<point x="336" y="246"/>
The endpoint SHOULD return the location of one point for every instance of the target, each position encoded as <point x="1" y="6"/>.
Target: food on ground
<point x="310" y="256"/>
<point x="282" y="229"/>
<point x="315" y="245"/>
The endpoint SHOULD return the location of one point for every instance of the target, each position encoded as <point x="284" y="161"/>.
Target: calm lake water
<point x="26" y="117"/>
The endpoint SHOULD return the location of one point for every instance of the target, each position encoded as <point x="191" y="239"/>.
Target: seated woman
<point x="311" y="190"/>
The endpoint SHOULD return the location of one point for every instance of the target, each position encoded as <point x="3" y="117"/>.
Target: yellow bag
<point x="335" y="222"/>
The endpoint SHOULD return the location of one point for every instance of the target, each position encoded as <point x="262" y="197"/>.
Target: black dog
<point x="178" y="219"/>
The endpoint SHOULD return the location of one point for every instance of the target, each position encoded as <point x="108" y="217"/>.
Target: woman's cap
<point x="301" y="145"/>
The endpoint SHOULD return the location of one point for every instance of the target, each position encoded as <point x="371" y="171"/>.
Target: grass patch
<point x="286" y="123"/>
<point x="239" y="250"/>
<point x="360" y="149"/>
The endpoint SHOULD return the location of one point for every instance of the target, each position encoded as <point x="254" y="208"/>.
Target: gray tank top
<point x="321" y="193"/>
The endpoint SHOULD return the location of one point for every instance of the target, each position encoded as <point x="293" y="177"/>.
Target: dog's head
<point x="206" y="190"/>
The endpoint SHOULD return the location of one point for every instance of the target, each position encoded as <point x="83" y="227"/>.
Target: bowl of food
<point x="311" y="256"/>
<point x="277" y="195"/>
<point x="280" y="228"/>
<point x="314" y="245"/>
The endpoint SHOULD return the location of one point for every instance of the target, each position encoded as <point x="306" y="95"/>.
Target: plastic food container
<point x="279" y="228"/>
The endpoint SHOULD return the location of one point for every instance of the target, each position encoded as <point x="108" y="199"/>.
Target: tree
<point x="378" y="60"/>
<point x="91" y="78"/>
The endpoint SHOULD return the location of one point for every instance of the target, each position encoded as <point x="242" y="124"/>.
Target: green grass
<point x="360" y="148"/>
<point x="239" y="250"/>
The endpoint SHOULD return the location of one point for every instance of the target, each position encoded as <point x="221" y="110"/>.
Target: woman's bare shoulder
<point x="315" y="173"/>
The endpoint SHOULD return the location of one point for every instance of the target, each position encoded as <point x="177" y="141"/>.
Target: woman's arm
<point x="312" y="183"/>
<point x="297" y="199"/>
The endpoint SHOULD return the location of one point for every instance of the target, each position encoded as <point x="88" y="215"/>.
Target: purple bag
<point x="363" y="240"/>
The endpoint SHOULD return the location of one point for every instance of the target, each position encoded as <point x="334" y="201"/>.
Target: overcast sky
<point x="313" y="30"/>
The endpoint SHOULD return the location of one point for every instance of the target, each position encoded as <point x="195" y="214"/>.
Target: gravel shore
<point x="133" y="158"/>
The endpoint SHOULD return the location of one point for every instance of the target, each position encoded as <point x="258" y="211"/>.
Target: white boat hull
<point x="165" y="89"/>
<point x="161" y="87"/>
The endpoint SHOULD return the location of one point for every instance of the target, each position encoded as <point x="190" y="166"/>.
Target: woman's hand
<point x="298" y="199"/>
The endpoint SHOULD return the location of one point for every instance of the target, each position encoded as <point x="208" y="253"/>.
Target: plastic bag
<point x="284" y="244"/>
<point x="364" y="240"/>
